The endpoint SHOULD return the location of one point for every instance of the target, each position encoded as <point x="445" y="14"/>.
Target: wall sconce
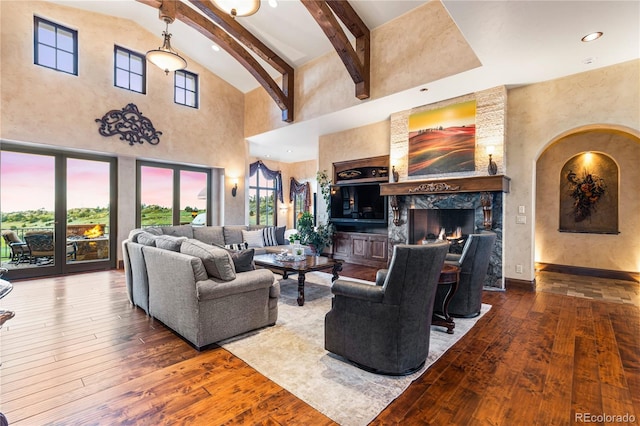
<point x="493" y="167"/>
<point x="234" y="190"/>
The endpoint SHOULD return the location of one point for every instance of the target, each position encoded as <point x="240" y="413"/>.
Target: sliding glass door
<point x="57" y="212"/>
<point x="171" y="194"/>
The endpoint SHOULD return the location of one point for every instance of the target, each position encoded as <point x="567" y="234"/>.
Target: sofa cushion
<point x="239" y="246"/>
<point x="233" y="234"/>
<point x="269" y="236"/>
<point x="155" y="230"/>
<point x="243" y="260"/>
<point x="169" y="242"/>
<point x="217" y="261"/>
<point x="178" y="230"/>
<point x="280" y="235"/>
<point x="254" y="238"/>
<point x="209" y="234"/>
<point x="146" y="239"/>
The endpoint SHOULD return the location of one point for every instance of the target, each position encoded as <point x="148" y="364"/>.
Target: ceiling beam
<point x="357" y="61"/>
<point x="223" y="36"/>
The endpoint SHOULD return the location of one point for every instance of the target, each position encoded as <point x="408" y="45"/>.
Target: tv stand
<point x="361" y="239"/>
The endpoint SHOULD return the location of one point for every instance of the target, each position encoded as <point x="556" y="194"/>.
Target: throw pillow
<point x="243" y="260"/>
<point x="169" y="242"/>
<point x="280" y="235"/>
<point x="269" y="236"/>
<point x="239" y="246"/>
<point x="253" y="238"/>
<point x="217" y="261"/>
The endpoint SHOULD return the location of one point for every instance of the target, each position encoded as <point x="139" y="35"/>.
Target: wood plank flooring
<point x="78" y="353"/>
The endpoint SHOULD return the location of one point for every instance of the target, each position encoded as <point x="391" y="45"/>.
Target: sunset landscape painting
<point x="443" y="140"/>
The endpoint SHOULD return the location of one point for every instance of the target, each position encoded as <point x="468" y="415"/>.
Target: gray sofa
<point x="179" y="276"/>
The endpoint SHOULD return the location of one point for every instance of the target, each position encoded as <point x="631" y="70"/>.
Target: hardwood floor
<point x="78" y="353"/>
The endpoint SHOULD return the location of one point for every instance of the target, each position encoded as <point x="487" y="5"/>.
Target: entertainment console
<point x="359" y="212"/>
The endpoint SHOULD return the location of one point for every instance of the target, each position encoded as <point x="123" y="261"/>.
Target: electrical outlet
<point x="518" y="269"/>
<point x="521" y="220"/>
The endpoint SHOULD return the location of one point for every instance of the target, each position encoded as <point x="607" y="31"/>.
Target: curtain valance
<point x="304" y="189"/>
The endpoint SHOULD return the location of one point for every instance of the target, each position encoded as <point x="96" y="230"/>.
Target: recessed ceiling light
<point x="589" y="60"/>
<point x="289" y="150"/>
<point x="424" y="89"/>
<point x="592" y="36"/>
<point x="273" y="3"/>
<point x="215" y="47"/>
<point x="268" y="155"/>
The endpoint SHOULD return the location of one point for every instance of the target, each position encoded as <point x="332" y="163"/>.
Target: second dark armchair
<point x="385" y="328"/>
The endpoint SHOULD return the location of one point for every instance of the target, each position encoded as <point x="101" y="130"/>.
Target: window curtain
<point x="297" y="188"/>
<point x="269" y="174"/>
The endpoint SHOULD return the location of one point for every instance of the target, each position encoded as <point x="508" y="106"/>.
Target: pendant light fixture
<point x="237" y="7"/>
<point x="165" y="57"/>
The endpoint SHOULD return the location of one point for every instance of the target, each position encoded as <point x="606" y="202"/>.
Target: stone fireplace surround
<point x="464" y="193"/>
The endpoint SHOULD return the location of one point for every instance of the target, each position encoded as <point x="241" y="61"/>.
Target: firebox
<point x="431" y="224"/>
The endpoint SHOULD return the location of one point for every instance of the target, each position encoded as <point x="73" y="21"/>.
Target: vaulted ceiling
<point x="517" y="42"/>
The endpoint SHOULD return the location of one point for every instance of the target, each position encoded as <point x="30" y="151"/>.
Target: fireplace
<point x="464" y="207"/>
<point x="430" y="224"/>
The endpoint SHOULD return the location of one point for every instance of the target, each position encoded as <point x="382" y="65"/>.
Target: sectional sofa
<point x="200" y="281"/>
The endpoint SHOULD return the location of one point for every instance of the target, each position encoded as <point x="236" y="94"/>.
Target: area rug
<point x="292" y="354"/>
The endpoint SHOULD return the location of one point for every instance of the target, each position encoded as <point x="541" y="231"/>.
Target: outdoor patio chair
<point x="19" y="249"/>
<point x="40" y="245"/>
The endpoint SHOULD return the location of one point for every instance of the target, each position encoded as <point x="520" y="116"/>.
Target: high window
<point x="129" y="70"/>
<point x="171" y="194"/>
<point x="186" y="88"/>
<point x="262" y="200"/>
<point x="55" y="46"/>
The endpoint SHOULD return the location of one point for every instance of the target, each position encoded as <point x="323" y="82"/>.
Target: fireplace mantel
<point x="447" y="185"/>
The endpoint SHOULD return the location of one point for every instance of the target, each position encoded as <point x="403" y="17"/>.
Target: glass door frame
<point x="176" y="168"/>
<point x="60" y="265"/>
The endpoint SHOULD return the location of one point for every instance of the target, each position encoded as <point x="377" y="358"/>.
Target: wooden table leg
<point x="300" y="288"/>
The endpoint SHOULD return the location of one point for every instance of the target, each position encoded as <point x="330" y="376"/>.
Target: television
<point x="358" y="204"/>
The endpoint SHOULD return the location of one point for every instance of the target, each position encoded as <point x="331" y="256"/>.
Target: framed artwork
<point x="443" y="140"/>
<point x="589" y="194"/>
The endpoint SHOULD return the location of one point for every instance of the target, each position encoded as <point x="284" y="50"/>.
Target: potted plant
<point x="321" y="236"/>
<point x="316" y="237"/>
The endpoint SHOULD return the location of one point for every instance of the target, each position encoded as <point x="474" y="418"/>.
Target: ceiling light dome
<point x="165" y="57"/>
<point x="238" y="7"/>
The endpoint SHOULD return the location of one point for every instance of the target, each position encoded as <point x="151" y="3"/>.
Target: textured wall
<point x="540" y="114"/>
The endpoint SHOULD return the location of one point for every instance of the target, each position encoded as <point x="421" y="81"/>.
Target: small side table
<point x="449" y="276"/>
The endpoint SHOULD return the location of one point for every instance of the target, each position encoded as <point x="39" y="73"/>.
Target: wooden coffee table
<point x="301" y="267"/>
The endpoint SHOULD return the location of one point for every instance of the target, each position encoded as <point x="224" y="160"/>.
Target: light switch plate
<point x="521" y="210"/>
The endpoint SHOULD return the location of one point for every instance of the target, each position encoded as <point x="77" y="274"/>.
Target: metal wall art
<point x="589" y="194"/>
<point x="130" y="125"/>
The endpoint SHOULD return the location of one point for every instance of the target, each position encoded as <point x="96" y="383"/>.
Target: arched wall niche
<point x="606" y="251"/>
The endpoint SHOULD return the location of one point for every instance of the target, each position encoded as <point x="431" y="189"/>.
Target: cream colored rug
<point x="292" y="354"/>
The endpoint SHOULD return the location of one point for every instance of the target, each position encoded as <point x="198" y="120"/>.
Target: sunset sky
<point x="27" y="183"/>
<point x="454" y="115"/>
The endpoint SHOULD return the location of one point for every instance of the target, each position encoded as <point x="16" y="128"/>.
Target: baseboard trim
<point x="520" y="284"/>
<point x="592" y="272"/>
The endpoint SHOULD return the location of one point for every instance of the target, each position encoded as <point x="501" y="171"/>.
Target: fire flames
<point x="94" y="232"/>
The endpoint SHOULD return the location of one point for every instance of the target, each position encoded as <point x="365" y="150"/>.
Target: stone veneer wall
<point x="491" y="119"/>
